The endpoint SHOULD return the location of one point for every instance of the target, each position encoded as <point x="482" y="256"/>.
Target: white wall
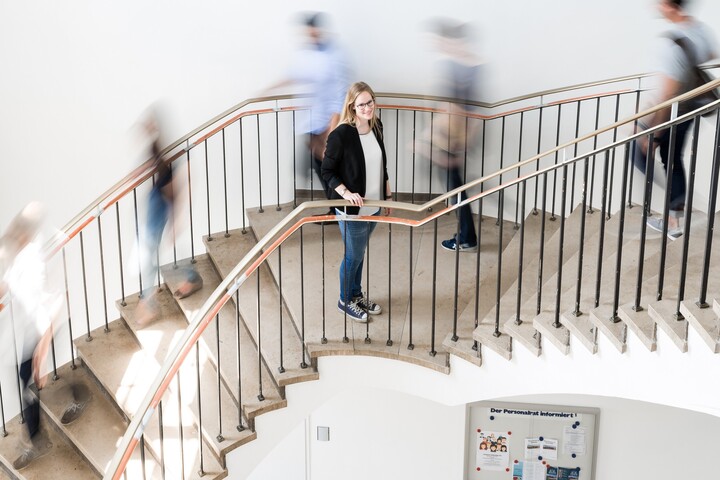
<point x="383" y="412"/>
<point x="75" y="76"/>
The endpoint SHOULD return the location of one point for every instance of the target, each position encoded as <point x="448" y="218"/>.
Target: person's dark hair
<point x="314" y="20"/>
<point x="678" y="3"/>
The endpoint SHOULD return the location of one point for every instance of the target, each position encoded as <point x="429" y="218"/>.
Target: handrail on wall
<point x="267" y="245"/>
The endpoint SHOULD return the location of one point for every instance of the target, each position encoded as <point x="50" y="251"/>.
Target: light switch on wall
<point x="323" y="434"/>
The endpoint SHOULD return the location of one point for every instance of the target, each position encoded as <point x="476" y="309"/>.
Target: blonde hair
<point x="348" y="112"/>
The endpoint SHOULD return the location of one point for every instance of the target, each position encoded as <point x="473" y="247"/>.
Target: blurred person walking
<point x="687" y="44"/>
<point x="34" y="307"/>
<point x="161" y="205"/>
<point x="320" y="67"/>
<point x="355" y="169"/>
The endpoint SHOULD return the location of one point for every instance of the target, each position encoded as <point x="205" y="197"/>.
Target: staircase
<point x="564" y="274"/>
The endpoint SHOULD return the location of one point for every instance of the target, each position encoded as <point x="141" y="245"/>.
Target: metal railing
<point x="241" y="161"/>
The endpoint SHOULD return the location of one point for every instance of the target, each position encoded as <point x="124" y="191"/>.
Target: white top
<point x="672" y="60"/>
<point x="374" y="177"/>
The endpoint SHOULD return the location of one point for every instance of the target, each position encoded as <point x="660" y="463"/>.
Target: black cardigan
<point x="344" y="162"/>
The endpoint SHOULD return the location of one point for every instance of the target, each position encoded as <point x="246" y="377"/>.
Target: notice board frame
<point x="529" y="420"/>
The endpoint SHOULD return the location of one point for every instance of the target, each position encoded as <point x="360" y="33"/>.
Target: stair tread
<point x="226" y="253"/>
<point x="62" y="459"/>
<point x="126" y="377"/>
<point x="99" y="415"/>
<point x="157" y="340"/>
<point x="249" y="388"/>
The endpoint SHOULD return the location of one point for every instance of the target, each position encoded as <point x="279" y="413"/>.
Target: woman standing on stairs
<point x="355" y="169"/>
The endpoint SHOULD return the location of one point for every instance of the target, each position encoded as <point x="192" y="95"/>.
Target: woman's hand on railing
<point x="353" y="198"/>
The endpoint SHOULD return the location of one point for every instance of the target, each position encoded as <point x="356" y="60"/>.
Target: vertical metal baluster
<point x="240" y="427"/>
<point x="219" y="437"/>
<point x="517" y="188"/>
<point x="277" y="161"/>
<point x="199" y="399"/>
<point x="389" y="340"/>
<point x="180" y="426"/>
<point x="563" y="202"/>
<point x="521" y="253"/>
<point x="157" y="253"/>
<point x="537" y="162"/>
<point x="303" y="363"/>
<point x="120" y="257"/>
<point x="482" y="174"/>
<point x="260" y="397"/>
<point x="142" y="457"/>
<point x="367" y="281"/>
<point x="207" y="191"/>
<point x="225" y="190"/>
<point x="595" y="141"/>
<point x="137" y="239"/>
<point x="541" y="253"/>
<point x="260" y="210"/>
<point x="603" y="219"/>
<point x="612" y="163"/>
<point x="410" y="346"/>
<point x="15" y="359"/>
<point x="190" y="204"/>
<point x="414" y="133"/>
<point x="666" y="209"/>
<point x="67" y="308"/>
<point x="324" y="339"/>
<point x="688" y="217"/>
<point x="632" y="170"/>
<point x="85" y="293"/>
<point x="294" y="150"/>
<point x="242" y="177"/>
<point x="575" y="151"/>
<point x="346" y="281"/>
<point x="647" y="198"/>
<point x="501" y="195"/>
<point x="554" y="180"/>
<point x="581" y="249"/>
<point x="397" y="155"/>
<point x="2" y="413"/>
<point x="455" y="337"/>
<point x="621" y="231"/>
<point x="477" y="272"/>
<point x="162" y="439"/>
<point x="702" y="300"/>
<point x="102" y="271"/>
<point x="502" y="155"/>
<point x="430" y="163"/>
<point x="281" y="368"/>
<point x="434" y="290"/>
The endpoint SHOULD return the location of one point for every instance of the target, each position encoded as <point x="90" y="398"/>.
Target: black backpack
<point x="699" y="77"/>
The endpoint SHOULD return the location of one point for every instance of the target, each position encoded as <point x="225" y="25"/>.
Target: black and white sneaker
<point x="353" y="311"/>
<point x="367" y="305"/>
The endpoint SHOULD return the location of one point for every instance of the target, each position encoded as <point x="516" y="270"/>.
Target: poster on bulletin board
<point x="512" y="441"/>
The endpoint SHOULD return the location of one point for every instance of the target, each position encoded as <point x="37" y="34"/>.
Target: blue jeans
<point x="677" y="189"/>
<point x="467" y="227"/>
<point x="355" y="237"/>
<point x="158" y="213"/>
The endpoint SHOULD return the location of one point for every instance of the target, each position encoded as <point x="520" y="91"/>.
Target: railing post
<point x="666" y="208"/>
<point x="558" y="290"/>
<point x="581" y="250"/>
<point x="521" y="253"/>
<point x="702" y="300"/>
<point x="603" y="219"/>
<point x="501" y="195"/>
<point x="621" y="231"/>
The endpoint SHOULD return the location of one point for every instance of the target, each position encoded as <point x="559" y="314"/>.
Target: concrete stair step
<point x="641" y="322"/>
<point x="62" y="459"/>
<point x="223" y="332"/>
<point x="100" y="427"/>
<point x="487" y="289"/>
<point x="126" y="376"/>
<point x="219" y="420"/>
<point x="551" y="274"/>
<point x="524" y="332"/>
<point x="289" y="364"/>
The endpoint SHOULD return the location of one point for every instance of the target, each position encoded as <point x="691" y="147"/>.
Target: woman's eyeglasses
<point x="368" y="104"/>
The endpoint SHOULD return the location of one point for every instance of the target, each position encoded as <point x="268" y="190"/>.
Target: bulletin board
<point x="519" y="441"/>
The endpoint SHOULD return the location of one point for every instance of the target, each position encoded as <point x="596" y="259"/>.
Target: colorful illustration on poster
<point x="492" y="451"/>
